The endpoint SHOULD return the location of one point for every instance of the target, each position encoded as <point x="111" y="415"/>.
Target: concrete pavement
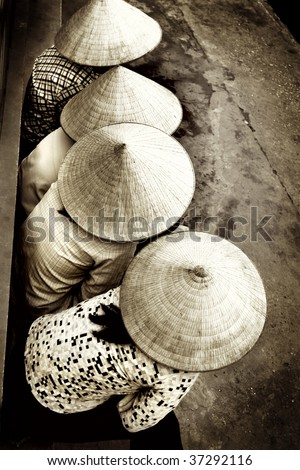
<point x="235" y="68"/>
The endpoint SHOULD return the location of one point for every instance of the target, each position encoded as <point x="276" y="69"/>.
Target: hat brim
<point x="191" y="323"/>
<point x="121" y="95"/>
<point x="106" y="33"/>
<point x="126" y="182"/>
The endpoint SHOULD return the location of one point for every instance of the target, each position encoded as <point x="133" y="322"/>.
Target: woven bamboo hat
<point x="193" y="305"/>
<point x="126" y="182"/>
<point x="121" y="95"/>
<point x="107" y="32"/>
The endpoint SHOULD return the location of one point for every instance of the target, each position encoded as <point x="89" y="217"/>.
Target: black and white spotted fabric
<point x="69" y="370"/>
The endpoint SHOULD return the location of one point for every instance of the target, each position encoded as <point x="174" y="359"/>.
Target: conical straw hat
<point x="193" y="301"/>
<point x="121" y="95"/>
<point x="126" y="182"/>
<point x="107" y="32"/>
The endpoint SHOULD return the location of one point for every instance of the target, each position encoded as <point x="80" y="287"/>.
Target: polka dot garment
<point x="69" y="370"/>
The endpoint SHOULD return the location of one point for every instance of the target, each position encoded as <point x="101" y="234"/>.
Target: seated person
<point x="131" y="98"/>
<point x="87" y="370"/>
<point x="53" y="81"/>
<point x="63" y="263"/>
<point x="147" y="341"/>
<point x="40" y="169"/>
<point x="84" y="46"/>
<point x="80" y="238"/>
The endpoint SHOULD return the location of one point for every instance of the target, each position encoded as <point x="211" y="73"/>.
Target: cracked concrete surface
<point x="263" y="59"/>
<point x="235" y="68"/>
